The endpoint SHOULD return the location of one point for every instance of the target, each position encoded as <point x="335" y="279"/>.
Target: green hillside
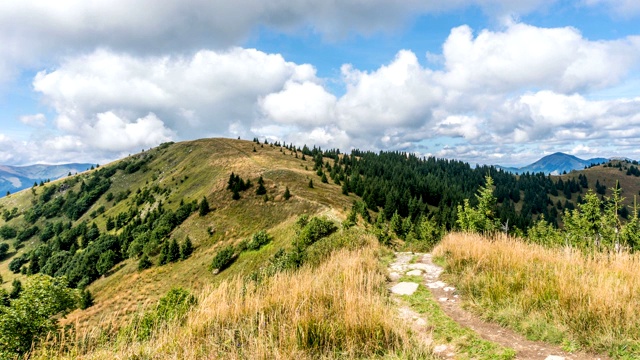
<point x="183" y="173"/>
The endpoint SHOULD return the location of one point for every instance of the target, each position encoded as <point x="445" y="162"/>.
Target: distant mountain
<point x="555" y="164"/>
<point x="16" y="178"/>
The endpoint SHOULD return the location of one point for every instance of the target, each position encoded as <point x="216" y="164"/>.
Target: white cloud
<point x="399" y="95"/>
<point x="305" y="104"/>
<point x="202" y="93"/>
<point x="35" y="32"/>
<point x="115" y="134"/>
<point x="37" y="120"/>
<point x="525" y="56"/>
<point x="468" y="127"/>
<point x="499" y="88"/>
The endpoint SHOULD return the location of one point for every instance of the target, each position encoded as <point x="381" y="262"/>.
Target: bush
<point x="17" y="263"/>
<point x="86" y="300"/>
<point x="316" y="229"/>
<point x="223" y="258"/>
<point x="144" y="263"/>
<point x="258" y="240"/>
<point x="34" y="314"/>
<point x="7" y="232"/>
<point x="4" y="248"/>
<point x="106" y="262"/>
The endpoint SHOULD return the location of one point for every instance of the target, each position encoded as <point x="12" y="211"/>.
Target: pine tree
<point x="164" y="254"/>
<point x="86" y="299"/>
<point x="261" y="190"/>
<point x="287" y="193"/>
<point x="345" y="188"/>
<point x="204" y="207"/>
<point x="187" y="249"/>
<point x="324" y="178"/>
<point x="16" y="290"/>
<point x="310" y="184"/>
<point x="174" y="251"/>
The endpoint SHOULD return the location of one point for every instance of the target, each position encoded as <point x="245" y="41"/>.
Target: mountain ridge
<point x="555" y="164"/>
<point x="17" y="178"/>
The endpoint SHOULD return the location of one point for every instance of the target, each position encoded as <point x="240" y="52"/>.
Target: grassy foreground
<point x="558" y="295"/>
<point x="339" y="309"/>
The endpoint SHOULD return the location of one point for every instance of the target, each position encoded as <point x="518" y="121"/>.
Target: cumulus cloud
<point x="193" y="95"/>
<point x="496" y="89"/>
<point x="525" y="56"/>
<point x="33" y="32"/>
<point x="307" y="104"/>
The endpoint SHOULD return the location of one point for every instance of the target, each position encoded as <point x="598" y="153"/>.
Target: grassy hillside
<point x="608" y="176"/>
<point x="563" y="296"/>
<point x="187" y="172"/>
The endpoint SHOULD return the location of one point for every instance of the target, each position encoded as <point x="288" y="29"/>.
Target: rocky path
<point x="416" y="264"/>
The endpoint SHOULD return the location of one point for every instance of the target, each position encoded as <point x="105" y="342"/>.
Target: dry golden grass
<point x="558" y="295"/>
<point x="339" y="309"/>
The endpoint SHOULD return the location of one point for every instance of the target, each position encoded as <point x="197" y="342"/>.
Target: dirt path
<point x="422" y="264"/>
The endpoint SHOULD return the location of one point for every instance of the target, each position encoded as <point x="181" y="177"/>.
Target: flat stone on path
<point x="404" y="288"/>
<point x="414" y="272"/>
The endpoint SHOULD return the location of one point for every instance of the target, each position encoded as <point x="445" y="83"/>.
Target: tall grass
<point x="338" y="309"/>
<point x="559" y="295"/>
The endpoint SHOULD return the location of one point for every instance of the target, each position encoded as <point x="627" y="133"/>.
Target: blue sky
<point x="484" y="81"/>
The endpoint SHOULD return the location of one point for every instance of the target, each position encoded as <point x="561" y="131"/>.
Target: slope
<point x="169" y="176"/>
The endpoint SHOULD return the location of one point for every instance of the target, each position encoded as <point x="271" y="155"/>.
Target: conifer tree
<point x="287" y="193"/>
<point x="164" y="254"/>
<point x="174" y="251"/>
<point x="186" y="249"/>
<point x="86" y="299"/>
<point x="204" y="207"/>
<point x="261" y="190"/>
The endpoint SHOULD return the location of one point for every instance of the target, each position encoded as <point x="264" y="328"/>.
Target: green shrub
<point x="316" y="229"/>
<point x="258" y="240"/>
<point x="223" y="258"/>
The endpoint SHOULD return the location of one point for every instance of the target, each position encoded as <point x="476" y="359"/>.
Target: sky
<point x="484" y="81"/>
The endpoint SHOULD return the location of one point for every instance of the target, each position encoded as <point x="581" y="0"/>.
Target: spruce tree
<point x="287" y="193"/>
<point x="187" y="249"/>
<point x="204" y="207"/>
<point x="310" y="183"/>
<point x="16" y="290"/>
<point x="86" y="299"/>
<point x="174" y="251"/>
<point x="261" y="190"/>
<point x="164" y="254"/>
